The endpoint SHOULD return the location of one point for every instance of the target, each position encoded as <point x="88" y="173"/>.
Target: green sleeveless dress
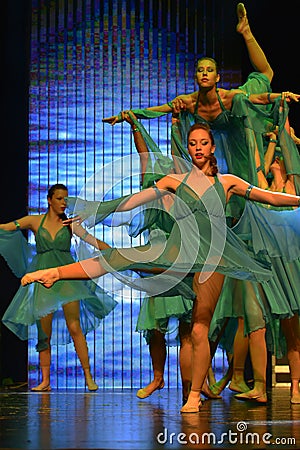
<point x="237" y="133"/>
<point x="200" y="241"/>
<point x="274" y="233"/>
<point x="163" y="312"/>
<point x="34" y="301"/>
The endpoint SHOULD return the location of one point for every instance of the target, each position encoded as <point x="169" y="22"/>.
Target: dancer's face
<point x="206" y="73"/>
<point x="57" y="202"/>
<point x="200" y="147"/>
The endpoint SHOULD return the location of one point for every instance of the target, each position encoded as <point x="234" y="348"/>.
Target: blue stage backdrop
<point x="89" y="60"/>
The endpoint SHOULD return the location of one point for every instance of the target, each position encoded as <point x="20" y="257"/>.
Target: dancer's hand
<point x="73" y="219"/>
<point x="112" y="120"/>
<point x="26" y="279"/>
<point x="128" y="116"/>
<point x="46" y="277"/>
<point x="290" y="96"/>
<point x="178" y="105"/>
<point x="272" y="134"/>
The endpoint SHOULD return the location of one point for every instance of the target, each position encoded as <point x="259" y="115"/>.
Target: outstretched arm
<point x="240" y="187"/>
<point x="166" y="108"/>
<point x="139" y="141"/>
<point x="24" y="223"/>
<point x="269" y="97"/>
<point x="164" y="186"/>
<point x="179" y="103"/>
<point x="126" y="203"/>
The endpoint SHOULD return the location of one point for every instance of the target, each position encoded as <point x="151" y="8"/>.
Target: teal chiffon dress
<point x="199" y="241"/>
<point x="163" y="313"/>
<point x="34" y="301"/>
<point x="275" y="235"/>
<point x="237" y="133"/>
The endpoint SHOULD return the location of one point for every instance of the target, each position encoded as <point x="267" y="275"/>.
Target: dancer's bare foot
<point x="47" y="277"/>
<point x="253" y="395"/>
<point x="150" y="388"/>
<point x="295" y="398"/>
<point x="239" y="386"/>
<point x="243" y="24"/>
<point x="193" y="403"/>
<point x="43" y="387"/>
<point x="91" y="385"/>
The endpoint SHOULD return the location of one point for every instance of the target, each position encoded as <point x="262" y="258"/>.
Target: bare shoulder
<point x="31" y="222"/>
<point x="35" y="220"/>
<point x="229" y="93"/>
<point x="228" y="180"/>
<point x="188" y="99"/>
<point x="171" y="182"/>
<point x="229" y="177"/>
<point x="235" y="92"/>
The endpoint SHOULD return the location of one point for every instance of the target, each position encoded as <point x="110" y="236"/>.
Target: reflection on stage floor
<point x="117" y="419"/>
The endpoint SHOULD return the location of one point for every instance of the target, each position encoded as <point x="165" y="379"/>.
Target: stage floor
<point x="119" y="420"/>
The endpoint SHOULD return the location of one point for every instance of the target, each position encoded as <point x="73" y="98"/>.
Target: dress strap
<point x="186" y="177"/>
<point x="220" y="101"/>
<point x="196" y="105"/>
<point x="43" y="220"/>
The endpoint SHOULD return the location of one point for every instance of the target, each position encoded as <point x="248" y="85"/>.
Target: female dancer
<point x="156" y="311"/>
<point x="196" y="244"/>
<point x="30" y="306"/>
<point x="237" y="117"/>
<point x="285" y="263"/>
<point x="274" y="300"/>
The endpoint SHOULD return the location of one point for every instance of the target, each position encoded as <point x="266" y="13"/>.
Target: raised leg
<point x="257" y="56"/>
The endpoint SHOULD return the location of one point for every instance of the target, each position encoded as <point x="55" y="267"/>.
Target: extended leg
<point x="83" y="270"/>
<point x="257" y="56"/>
